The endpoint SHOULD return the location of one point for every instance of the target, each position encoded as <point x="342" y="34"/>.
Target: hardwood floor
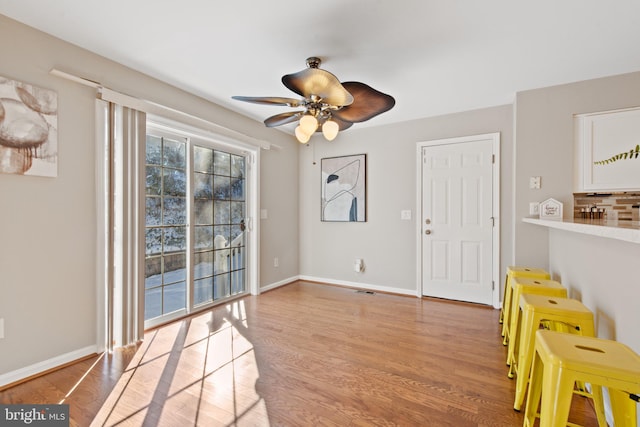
<point x="304" y="354"/>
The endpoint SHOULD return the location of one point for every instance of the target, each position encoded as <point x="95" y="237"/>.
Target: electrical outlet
<point x="276" y="262"/>
<point x="534" y="208"/>
<point x="405" y="215"/>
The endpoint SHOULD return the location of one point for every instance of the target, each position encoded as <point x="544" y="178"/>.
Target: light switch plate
<point x="534" y="182"/>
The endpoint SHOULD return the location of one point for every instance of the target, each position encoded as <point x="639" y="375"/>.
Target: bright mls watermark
<point x="34" y="415"/>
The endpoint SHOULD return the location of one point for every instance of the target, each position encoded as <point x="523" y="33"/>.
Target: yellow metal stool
<point x="562" y="359"/>
<point x="525" y="285"/>
<point x="558" y="314"/>
<point x="512" y="272"/>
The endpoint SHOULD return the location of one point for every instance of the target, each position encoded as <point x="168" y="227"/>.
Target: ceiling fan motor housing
<point x="313" y="62"/>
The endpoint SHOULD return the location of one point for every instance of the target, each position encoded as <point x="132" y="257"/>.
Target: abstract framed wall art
<point x="28" y="129"/>
<point x="344" y="188"/>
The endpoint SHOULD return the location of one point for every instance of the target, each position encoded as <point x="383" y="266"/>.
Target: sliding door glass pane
<point x="219" y="211"/>
<point x="165" y="226"/>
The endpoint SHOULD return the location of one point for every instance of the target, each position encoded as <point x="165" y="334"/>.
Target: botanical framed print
<point x="28" y="129"/>
<point x="344" y="188"/>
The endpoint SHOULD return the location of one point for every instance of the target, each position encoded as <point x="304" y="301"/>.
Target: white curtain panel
<point x="121" y="133"/>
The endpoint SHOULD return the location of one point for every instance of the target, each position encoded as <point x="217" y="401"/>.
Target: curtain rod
<point x="162" y="110"/>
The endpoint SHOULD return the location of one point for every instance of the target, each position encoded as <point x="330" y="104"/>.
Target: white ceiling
<point x="435" y="57"/>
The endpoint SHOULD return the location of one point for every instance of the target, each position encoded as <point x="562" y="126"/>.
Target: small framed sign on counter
<point x="551" y="209"/>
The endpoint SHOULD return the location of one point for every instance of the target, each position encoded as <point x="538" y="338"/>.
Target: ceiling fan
<point x="327" y="105"/>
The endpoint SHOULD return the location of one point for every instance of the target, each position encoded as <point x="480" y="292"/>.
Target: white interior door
<point x="458" y="220"/>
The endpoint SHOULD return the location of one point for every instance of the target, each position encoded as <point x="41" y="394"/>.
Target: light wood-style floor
<point x="304" y="354"/>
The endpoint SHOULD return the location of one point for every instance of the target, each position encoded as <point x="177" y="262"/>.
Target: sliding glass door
<point x="195" y="243"/>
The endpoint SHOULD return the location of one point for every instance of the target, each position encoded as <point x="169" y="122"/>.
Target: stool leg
<point x="557" y="393"/>
<point x="506" y="305"/>
<point x="514" y="344"/>
<point x="623" y="408"/>
<point x="513" y="325"/>
<point x="598" y="403"/>
<point x="526" y="336"/>
<point x="504" y="298"/>
<point x="535" y="390"/>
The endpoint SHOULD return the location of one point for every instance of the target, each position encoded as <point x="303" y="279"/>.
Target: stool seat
<point x="559" y="314"/>
<point x="526" y="285"/>
<point x="596" y="356"/>
<point x="517" y="271"/>
<point x="562" y="359"/>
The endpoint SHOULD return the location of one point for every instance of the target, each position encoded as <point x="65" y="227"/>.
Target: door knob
<point x="427" y="232"/>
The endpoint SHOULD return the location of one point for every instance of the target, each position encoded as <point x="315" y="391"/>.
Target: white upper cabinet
<point x="607" y="151"/>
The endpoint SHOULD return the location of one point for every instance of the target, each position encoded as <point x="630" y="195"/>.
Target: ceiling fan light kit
<point x="329" y="105"/>
<point x="330" y="130"/>
<point x="302" y="137"/>
<point x="308" y="124"/>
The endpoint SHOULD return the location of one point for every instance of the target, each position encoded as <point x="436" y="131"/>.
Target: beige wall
<point x="386" y="243"/>
<point x="544" y="147"/>
<point x="280" y="231"/>
<point x="48" y="225"/>
<point x="48" y="288"/>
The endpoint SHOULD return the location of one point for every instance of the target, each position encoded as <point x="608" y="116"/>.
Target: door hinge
<point x="493" y="158"/>
<point x="493" y="285"/>
<point x="493" y="221"/>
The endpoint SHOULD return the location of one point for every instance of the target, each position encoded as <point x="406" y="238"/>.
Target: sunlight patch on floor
<point x="199" y="371"/>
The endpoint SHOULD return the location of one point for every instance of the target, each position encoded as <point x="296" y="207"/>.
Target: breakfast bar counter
<point x="628" y="231"/>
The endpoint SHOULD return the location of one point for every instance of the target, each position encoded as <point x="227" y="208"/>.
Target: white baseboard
<point x="45" y="365"/>
<point x="359" y="285"/>
<point x="278" y="284"/>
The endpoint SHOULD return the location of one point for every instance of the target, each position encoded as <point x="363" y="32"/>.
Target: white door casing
<point x="458" y="199"/>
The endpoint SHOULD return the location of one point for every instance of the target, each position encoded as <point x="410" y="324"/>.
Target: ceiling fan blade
<point x="342" y="124"/>
<point x="269" y="100"/>
<point x="283" y="118"/>
<point x="367" y="103"/>
<point x="321" y="83"/>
